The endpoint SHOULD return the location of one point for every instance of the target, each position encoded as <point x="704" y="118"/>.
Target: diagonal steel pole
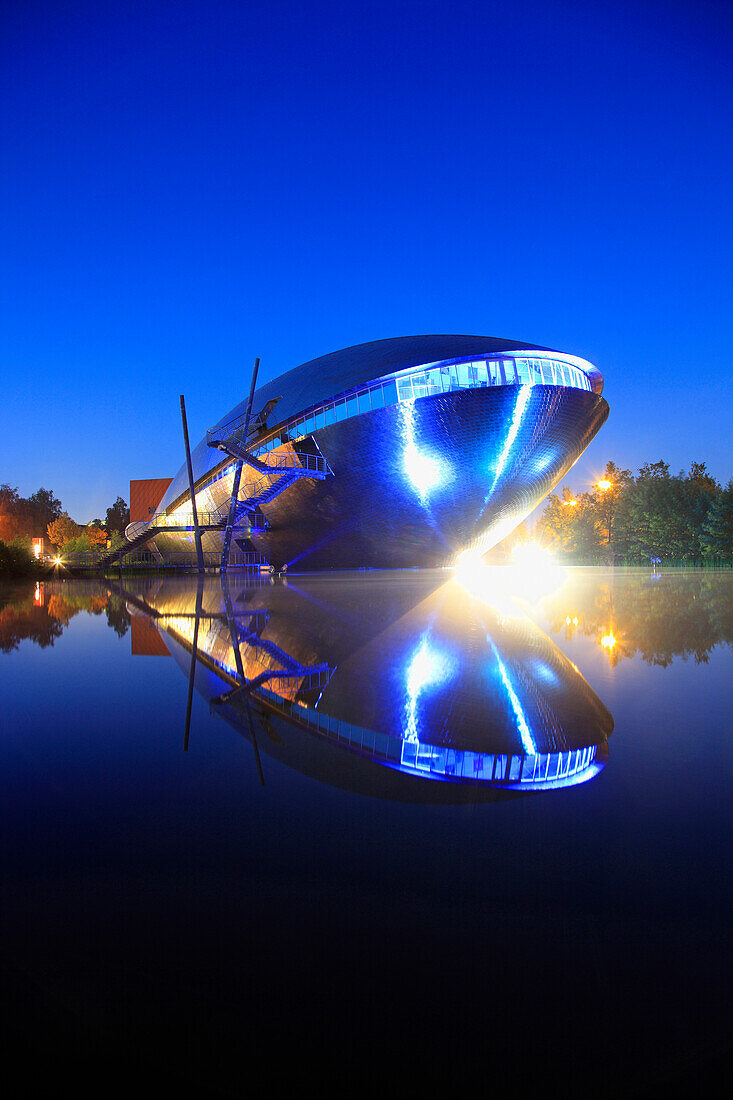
<point x="238" y="475"/>
<point x="196" y="531"/>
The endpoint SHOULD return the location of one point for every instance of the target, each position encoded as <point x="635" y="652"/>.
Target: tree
<point x="716" y="536"/>
<point x="96" y="534"/>
<point x="700" y="493"/>
<point x="570" y="523"/>
<point x="610" y="496"/>
<point x="62" y="530"/>
<point x="46" y="507"/>
<point x="26" y="517"/>
<point x="9" y="501"/>
<point x="118" y="516"/>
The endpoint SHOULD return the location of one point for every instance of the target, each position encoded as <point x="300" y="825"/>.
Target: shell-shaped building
<point x="395" y="453"/>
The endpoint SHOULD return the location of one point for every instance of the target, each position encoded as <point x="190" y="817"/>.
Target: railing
<point x="305" y="465"/>
<point x="145" y="559"/>
<point x="226" y="431"/>
<point x="205" y="519"/>
<point x="314" y="463"/>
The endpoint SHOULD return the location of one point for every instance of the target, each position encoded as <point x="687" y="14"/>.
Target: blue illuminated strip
<point x="522" y="399"/>
<point x="428" y="380"/>
<point x="538" y="771"/>
<point x="527" y="741"/>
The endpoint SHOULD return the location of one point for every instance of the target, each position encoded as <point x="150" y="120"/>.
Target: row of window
<point x="536" y="768"/>
<point x="424" y="382"/>
<point x="458" y="763"/>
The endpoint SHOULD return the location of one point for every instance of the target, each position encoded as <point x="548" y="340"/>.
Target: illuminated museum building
<point x="401" y="452"/>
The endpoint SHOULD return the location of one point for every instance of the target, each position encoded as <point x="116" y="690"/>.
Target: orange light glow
<point x="605" y="484"/>
<point x="608" y="642"/>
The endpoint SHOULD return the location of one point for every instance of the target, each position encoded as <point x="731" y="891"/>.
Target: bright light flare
<point x="426" y="472"/>
<point x="608" y="642"/>
<point x="429" y="668"/>
<point x="571" y="503"/>
<point x="535" y="572"/>
<point x="605" y="484"/>
<point x="532" y="556"/>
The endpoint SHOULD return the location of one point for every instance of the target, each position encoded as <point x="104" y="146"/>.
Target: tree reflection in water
<point x="40" y="611"/>
<point x="657" y="616"/>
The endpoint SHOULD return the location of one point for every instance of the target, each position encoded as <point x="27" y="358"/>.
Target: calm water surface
<point x="473" y="820"/>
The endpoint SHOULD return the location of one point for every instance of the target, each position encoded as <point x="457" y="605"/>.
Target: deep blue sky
<point x="187" y="185"/>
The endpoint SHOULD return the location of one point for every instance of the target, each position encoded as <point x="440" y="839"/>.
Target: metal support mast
<point x="196" y="531"/>
<point x="238" y="475"/>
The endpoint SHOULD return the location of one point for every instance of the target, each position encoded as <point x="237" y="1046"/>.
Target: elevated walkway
<point x="245" y="518"/>
<point x="279" y="473"/>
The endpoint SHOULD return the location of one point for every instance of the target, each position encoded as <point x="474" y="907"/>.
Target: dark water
<point x="473" y="822"/>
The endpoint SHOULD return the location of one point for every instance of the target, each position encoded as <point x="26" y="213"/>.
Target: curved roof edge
<point x="319" y="380"/>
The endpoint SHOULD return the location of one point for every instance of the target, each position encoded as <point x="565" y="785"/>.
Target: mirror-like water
<point x="408" y="809"/>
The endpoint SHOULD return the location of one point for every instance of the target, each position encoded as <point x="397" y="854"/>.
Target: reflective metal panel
<point x="415" y="484"/>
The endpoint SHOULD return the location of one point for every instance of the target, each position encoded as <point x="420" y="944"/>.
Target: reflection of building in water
<point x="409" y="672"/>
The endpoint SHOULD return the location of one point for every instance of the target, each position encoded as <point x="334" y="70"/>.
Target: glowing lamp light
<point x="572" y="503"/>
<point x="57" y="561"/>
<point x="608" y="642"/>
<point x="605" y="484"/>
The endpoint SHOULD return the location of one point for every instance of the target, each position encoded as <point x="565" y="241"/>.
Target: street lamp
<point x="605" y="484"/>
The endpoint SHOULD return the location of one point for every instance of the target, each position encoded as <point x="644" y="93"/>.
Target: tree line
<point x="685" y="517"/>
<point x="42" y="515"/>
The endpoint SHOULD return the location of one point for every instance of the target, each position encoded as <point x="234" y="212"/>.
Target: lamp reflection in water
<point x="396" y="685"/>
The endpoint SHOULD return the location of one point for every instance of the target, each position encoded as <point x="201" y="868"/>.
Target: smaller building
<point x="145" y="496"/>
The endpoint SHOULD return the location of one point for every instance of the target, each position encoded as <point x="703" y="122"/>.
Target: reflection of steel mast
<point x="192" y="670"/>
